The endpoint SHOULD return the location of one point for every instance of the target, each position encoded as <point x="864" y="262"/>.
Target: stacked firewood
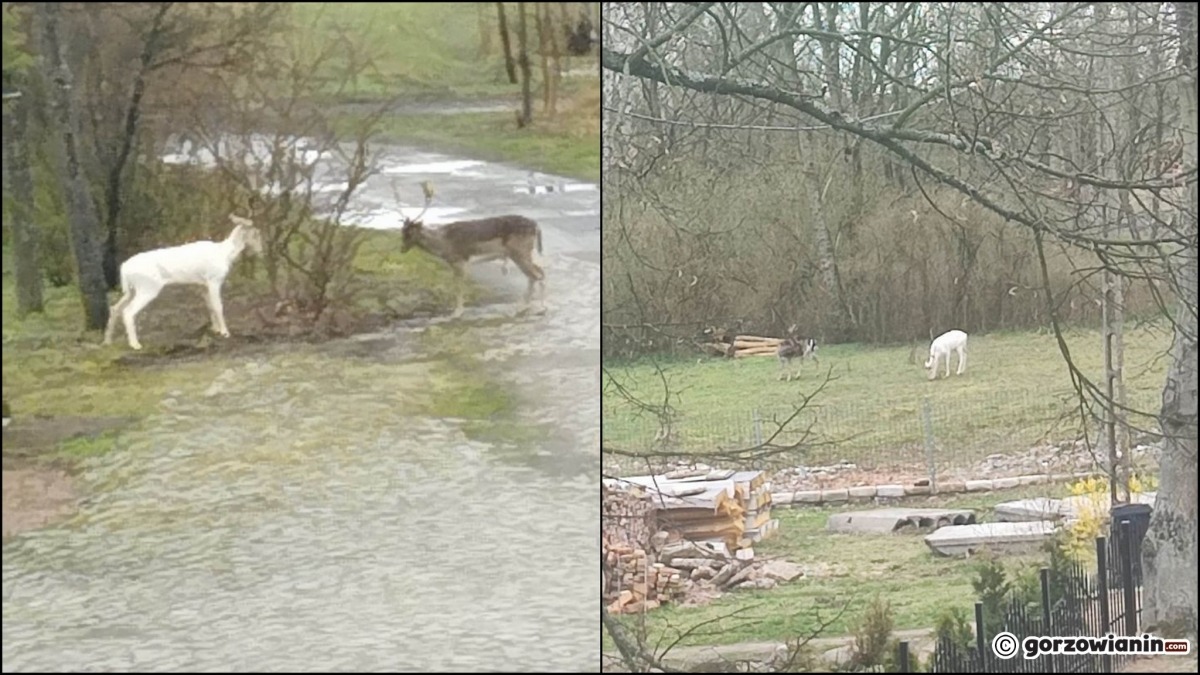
<point x="740" y="346"/>
<point x="641" y="584"/>
<point x="668" y="535"/>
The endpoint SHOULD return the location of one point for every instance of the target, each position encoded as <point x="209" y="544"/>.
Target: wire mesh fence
<point x="1013" y="433"/>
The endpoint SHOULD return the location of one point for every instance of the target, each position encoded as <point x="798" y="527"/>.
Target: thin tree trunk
<point x="81" y="210"/>
<point x="1169" y="556"/>
<point x="485" y="32"/>
<point x="541" y="24"/>
<point x="523" y="60"/>
<point x="509" y="64"/>
<point x="116" y="173"/>
<point x="26" y="237"/>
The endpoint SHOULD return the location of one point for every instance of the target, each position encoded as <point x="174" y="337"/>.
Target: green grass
<point x="564" y="148"/>
<point x="432" y="52"/>
<point x="427" y="50"/>
<point x="1015" y="393"/>
<point x="52" y="367"/>
<point x="850" y="570"/>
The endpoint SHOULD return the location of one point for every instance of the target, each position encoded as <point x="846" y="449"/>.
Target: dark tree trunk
<point x="26" y="238"/>
<point x="81" y="210"/>
<point x="526" y="92"/>
<point x="116" y="173"/>
<point x="509" y="64"/>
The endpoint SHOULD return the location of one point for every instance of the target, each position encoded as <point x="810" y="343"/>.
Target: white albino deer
<point x="942" y="347"/>
<point x="203" y="263"/>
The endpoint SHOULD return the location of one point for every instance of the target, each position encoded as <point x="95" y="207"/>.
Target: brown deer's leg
<point x="459" y="289"/>
<point x="524" y="261"/>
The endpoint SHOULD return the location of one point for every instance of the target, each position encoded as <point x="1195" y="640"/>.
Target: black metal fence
<point x="1073" y="602"/>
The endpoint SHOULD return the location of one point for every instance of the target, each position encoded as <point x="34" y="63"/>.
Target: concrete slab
<point x="1030" y="510"/>
<point x="1085" y="503"/>
<point x="1044" y="508"/>
<point x="886" y="521"/>
<point x="997" y="537"/>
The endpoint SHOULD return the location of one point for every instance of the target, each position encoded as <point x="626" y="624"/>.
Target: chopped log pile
<point x="741" y="346"/>
<point x="672" y="537"/>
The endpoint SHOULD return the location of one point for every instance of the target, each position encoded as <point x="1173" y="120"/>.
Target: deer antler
<point x="426" y="188"/>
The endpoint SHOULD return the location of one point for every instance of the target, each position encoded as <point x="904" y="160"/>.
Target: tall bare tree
<point x="1170" y="551"/>
<point x="526" y="115"/>
<point x="510" y="66"/>
<point x="81" y="209"/>
<point x="26" y="236"/>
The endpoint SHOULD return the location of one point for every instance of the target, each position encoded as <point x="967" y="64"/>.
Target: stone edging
<point x="801" y="498"/>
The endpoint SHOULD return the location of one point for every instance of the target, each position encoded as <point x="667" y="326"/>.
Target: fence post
<point x="927" y="417"/>
<point x="1047" y="628"/>
<point x="1102" y="588"/>
<point x="1127" y="580"/>
<point x="979" y="629"/>
<point x="758" y="437"/>
<point x="902" y="657"/>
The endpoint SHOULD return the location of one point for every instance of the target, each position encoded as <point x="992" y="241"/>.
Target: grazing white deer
<point x="942" y="347"/>
<point x="203" y="263"/>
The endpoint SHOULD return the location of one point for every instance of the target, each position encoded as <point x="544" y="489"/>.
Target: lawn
<point x="433" y="52"/>
<point x="1016" y="392"/>
<point x="849" y="571"/>
<point x="53" y="368"/>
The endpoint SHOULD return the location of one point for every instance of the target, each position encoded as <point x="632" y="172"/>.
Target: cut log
<point x="757" y="338"/>
<point x="742" y="575"/>
<point x="744" y="353"/>
<point x="726" y="572"/>
<point x="742" y="343"/>
<point x="759" y="349"/>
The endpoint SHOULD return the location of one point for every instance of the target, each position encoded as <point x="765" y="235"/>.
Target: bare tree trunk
<point x="485" y="32"/>
<point x="128" y="140"/>
<point x="826" y="258"/>
<point x="523" y="60"/>
<point x="509" y="64"/>
<point x="81" y="210"/>
<point x="25" y="233"/>
<point x="541" y="24"/>
<point x="1169" y="556"/>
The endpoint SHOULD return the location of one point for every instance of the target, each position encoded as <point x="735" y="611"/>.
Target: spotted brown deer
<point x="508" y="237"/>
<point x="795" y="347"/>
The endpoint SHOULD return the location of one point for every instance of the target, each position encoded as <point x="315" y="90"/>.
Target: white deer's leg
<point x="962" y="361"/>
<point x="142" y="297"/>
<point x="214" y="321"/>
<point x="948" y="357"/>
<point x="114" y="315"/>
<point x="217" y="309"/>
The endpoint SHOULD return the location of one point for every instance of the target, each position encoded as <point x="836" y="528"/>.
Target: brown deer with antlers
<point x="502" y="238"/>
